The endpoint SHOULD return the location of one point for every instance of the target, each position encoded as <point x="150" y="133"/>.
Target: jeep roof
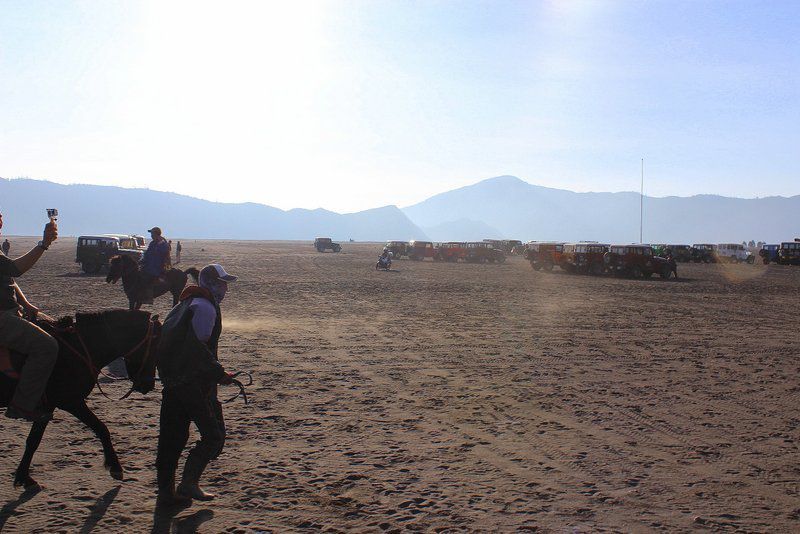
<point x="704" y="246"/>
<point x="630" y="249"/>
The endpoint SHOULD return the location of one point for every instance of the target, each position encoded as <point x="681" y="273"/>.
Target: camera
<point x="52" y="213"/>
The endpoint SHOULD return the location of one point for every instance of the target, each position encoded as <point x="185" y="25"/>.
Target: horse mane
<point x="124" y="258"/>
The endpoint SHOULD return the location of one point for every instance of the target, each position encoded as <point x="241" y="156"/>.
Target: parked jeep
<point x="397" y="248"/>
<point x="734" y="253"/>
<point x="584" y="258"/>
<point x="481" y="252"/>
<point x="679" y="253"/>
<point x="542" y="255"/>
<point x="94" y="251"/>
<point x="789" y="253"/>
<point x="505" y="245"/>
<point x="769" y="253"/>
<point x="451" y="251"/>
<point x="704" y="253"/>
<point x="325" y="243"/>
<point x="419" y="250"/>
<point x="638" y="261"/>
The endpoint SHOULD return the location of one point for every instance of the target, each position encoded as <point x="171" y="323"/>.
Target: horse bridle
<point x="86" y="357"/>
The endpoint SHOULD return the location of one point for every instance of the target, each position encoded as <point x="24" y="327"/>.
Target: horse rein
<point x="86" y="358"/>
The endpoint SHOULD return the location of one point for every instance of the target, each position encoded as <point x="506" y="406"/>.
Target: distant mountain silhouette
<point x="519" y="210"/>
<point x="91" y="209"/>
<point x="462" y="230"/>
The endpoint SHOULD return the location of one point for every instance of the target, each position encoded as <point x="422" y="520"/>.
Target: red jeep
<point x="452" y="251"/>
<point x="541" y="255"/>
<point x="584" y="258"/>
<point x="638" y="261"/>
<point x="419" y="250"/>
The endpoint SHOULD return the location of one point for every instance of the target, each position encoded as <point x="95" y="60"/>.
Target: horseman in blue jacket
<point x="155" y="263"/>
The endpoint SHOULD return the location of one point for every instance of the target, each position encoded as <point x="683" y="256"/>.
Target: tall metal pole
<point x="641" y="205"/>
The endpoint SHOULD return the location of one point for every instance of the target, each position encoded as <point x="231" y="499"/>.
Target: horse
<point x="87" y="344"/>
<point x="127" y="268"/>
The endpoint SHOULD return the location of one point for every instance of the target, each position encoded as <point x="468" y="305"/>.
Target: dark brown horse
<point x="86" y="345"/>
<point x="127" y="269"/>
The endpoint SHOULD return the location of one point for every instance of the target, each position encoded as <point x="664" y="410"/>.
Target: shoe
<point x="39" y="415"/>
<point x="192" y="490"/>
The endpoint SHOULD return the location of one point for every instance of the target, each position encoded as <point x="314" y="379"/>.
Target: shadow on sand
<point x="10" y="508"/>
<point x="165" y="520"/>
<point x="99" y="509"/>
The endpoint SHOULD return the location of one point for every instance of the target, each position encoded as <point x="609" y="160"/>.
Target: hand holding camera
<point x="50" y="229"/>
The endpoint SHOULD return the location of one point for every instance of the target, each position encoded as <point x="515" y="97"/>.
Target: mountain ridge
<point x="520" y="210"/>
<point x="88" y="209"/>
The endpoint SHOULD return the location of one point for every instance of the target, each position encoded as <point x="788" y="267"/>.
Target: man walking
<point x="178" y="249"/>
<point x="190" y="371"/>
<point x="22" y="336"/>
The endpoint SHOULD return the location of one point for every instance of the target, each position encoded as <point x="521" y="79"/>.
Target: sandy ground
<point x="444" y="397"/>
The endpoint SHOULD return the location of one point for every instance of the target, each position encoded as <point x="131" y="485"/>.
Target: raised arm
<point x="24" y="263"/>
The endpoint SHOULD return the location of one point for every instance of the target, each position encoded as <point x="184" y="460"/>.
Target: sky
<point x="350" y="105"/>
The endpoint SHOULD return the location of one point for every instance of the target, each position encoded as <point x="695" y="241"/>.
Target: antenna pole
<point x="641" y="205"/>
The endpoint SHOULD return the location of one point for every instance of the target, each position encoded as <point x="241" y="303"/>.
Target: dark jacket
<point x="180" y="356"/>
<point x="156" y="257"/>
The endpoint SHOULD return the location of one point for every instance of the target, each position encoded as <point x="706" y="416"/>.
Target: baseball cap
<point x="155" y="229"/>
<point x="216" y="272"/>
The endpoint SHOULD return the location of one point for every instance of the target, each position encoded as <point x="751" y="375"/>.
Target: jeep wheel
<point x="547" y="266"/>
<point x="535" y="266"/>
<point x="666" y="272"/>
<point x="596" y="269"/>
<point x="90" y="268"/>
<point x="636" y="272"/>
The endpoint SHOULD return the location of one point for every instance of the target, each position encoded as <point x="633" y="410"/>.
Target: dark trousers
<point x="181" y="406"/>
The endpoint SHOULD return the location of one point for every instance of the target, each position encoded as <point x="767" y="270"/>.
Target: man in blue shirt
<point x="155" y="262"/>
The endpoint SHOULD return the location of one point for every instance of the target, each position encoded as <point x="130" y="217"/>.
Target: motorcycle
<point x="384" y="262"/>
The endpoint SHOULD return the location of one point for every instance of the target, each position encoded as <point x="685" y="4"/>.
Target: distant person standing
<point x="6" y="247"/>
<point x="178" y="248"/>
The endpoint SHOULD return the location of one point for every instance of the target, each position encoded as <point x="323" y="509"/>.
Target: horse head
<point x="114" y="270"/>
<point x="140" y="361"/>
<point x="120" y="266"/>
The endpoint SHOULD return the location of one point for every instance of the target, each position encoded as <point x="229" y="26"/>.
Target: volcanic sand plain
<point x="449" y="397"/>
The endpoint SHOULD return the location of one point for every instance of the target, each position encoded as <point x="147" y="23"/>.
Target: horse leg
<point x="22" y="476"/>
<point x="88" y="418"/>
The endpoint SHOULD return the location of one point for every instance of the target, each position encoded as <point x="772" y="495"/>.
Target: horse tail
<point x="193" y="272"/>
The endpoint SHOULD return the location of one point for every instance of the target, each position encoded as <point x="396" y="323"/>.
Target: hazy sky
<point x="351" y="105"/>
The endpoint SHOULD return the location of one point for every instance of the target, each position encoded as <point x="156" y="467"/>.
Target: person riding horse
<point x="20" y="335"/>
<point x="190" y="371"/>
<point x="155" y="263"/>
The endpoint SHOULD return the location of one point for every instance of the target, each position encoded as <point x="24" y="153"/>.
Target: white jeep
<point x="734" y="253"/>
